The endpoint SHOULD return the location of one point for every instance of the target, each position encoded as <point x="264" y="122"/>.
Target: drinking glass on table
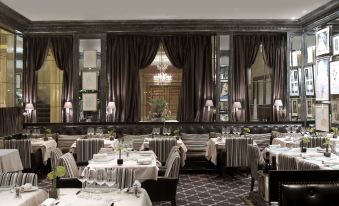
<point x="91" y="179"/>
<point x="83" y="174"/>
<point x="111" y="177"/>
<point x="101" y="176"/>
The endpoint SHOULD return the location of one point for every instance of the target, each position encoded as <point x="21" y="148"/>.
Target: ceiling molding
<point x="12" y="20"/>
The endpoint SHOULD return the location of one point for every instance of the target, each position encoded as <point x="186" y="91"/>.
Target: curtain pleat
<point x="125" y="56"/>
<point x="11" y="121"/>
<point x="193" y="54"/>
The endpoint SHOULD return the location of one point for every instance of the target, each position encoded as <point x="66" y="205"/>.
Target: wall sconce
<point x="209" y="104"/>
<point x="277" y="103"/>
<point x="68" y="106"/>
<point x="111" y="107"/>
<point x="29" y="108"/>
<point x="236" y="106"/>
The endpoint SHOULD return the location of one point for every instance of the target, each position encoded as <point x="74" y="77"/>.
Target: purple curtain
<point x="34" y="56"/>
<point x="125" y="56"/>
<point x="62" y="48"/>
<point x="245" y="51"/>
<point x="11" y="121"/>
<point x="275" y="57"/>
<point x="193" y="54"/>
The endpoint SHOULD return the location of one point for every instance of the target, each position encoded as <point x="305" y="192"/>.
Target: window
<point x="160" y="80"/>
<point x="49" y="91"/>
<point x="7" y="69"/>
<point x="18" y="72"/>
<point x="260" y="89"/>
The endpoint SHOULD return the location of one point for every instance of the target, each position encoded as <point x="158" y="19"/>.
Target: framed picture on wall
<point x="335" y="111"/>
<point x="309" y="104"/>
<point x="224" y="91"/>
<point x="334" y="77"/>
<point x="89" y="80"/>
<point x="335" y="42"/>
<point x="18" y="81"/>
<point x="294" y="108"/>
<point x="89" y="102"/>
<point x="309" y="85"/>
<point x="322" y="41"/>
<point x="322" y="92"/>
<point x="294" y="83"/>
<point x="90" y="59"/>
<point x="322" y="117"/>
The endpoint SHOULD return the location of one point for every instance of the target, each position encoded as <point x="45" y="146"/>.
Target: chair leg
<point x="173" y="202"/>
<point x="252" y="183"/>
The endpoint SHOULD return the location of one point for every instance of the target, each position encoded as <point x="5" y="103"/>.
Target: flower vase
<point x="120" y="161"/>
<point x="327" y="154"/>
<point x="45" y="137"/>
<point x="54" y="192"/>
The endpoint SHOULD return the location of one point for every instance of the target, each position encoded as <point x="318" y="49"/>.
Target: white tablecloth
<point x="33" y="198"/>
<point x="46" y="147"/>
<point x="68" y="197"/>
<point x="310" y="156"/>
<point x="283" y="142"/>
<point x="142" y="172"/>
<point x="213" y="145"/>
<point x="10" y="160"/>
<point x="107" y="144"/>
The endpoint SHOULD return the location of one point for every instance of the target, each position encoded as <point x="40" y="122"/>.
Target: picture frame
<point x="224" y="91"/>
<point x="294" y="83"/>
<point x="89" y="80"/>
<point x="89" y="102"/>
<point x="335" y="45"/>
<point x="322" y="92"/>
<point x="310" y="54"/>
<point x="322" y="117"/>
<point x="323" y="41"/>
<point x="309" y="108"/>
<point x="335" y="111"/>
<point x="224" y="117"/>
<point x="334" y="77"/>
<point x="294" y="108"/>
<point x="309" y="80"/>
<point x="18" y="81"/>
<point x="223" y="107"/>
<point x="90" y="59"/>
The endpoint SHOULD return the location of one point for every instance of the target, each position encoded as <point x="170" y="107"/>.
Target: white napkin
<point x="288" y="138"/>
<point x="312" y="155"/>
<point x="48" y="202"/>
<point x="26" y="186"/>
<point x="144" y="161"/>
<point x="319" y="149"/>
<point x="99" y="156"/>
<point x="137" y="183"/>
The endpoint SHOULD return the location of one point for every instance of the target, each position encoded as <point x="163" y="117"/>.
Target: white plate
<point x="106" y="159"/>
<point x="33" y="188"/>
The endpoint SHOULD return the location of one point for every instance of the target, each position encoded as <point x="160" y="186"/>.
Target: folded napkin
<point x="331" y="162"/>
<point x="26" y="187"/>
<point x="144" y="161"/>
<point x="275" y="146"/>
<point x="99" y="156"/>
<point x="312" y="155"/>
<point x="288" y="138"/>
<point x="319" y="149"/>
<point x="48" y="202"/>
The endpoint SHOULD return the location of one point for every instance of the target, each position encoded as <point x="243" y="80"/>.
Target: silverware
<point x="78" y="192"/>
<point x="57" y="203"/>
<point x="112" y="204"/>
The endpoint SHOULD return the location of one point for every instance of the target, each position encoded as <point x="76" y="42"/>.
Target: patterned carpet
<point x="204" y="189"/>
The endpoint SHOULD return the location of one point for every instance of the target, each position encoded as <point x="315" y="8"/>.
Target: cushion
<point x="67" y="160"/>
<point x="65" y="141"/>
<point x="173" y="167"/>
<point x="9" y="179"/>
<point x="55" y="156"/>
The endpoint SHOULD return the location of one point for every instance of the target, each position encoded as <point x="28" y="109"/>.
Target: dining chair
<point x="162" y="146"/>
<point x="305" y="165"/>
<point x="85" y="148"/>
<point x="24" y="148"/>
<point x="56" y="153"/>
<point x="254" y="159"/>
<point x="262" y="140"/>
<point x="236" y="151"/>
<point x="71" y="172"/>
<point x="18" y="178"/>
<point x="286" y="162"/>
<point x="155" y="188"/>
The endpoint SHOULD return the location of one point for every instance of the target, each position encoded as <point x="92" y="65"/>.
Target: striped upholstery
<point x="236" y="151"/>
<point x="85" y="148"/>
<point x="262" y="140"/>
<point x="174" y="149"/>
<point x="196" y="145"/>
<point x="286" y="162"/>
<point x="24" y="148"/>
<point x="162" y="146"/>
<point x="173" y="167"/>
<point x="316" y="142"/>
<point x="135" y="140"/>
<point x="55" y="156"/>
<point x="67" y="160"/>
<point x="125" y="177"/>
<point x="8" y="179"/>
<point x="66" y="141"/>
<point x="304" y="165"/>
<point x="254" y="159"/>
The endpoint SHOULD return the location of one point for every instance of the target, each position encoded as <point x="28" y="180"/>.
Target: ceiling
<point x="49" y="10"/>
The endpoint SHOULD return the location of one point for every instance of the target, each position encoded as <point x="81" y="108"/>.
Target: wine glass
<point x="100" y="176"/>
<point x="288" y="129"/>
<point x="111" y="177"/>
<point x="83" y="174"/>
<point x="99" y="132"/>
<point x="91" y="175"/>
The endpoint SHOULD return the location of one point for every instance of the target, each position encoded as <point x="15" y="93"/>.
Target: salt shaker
<point x="17" y="192"/>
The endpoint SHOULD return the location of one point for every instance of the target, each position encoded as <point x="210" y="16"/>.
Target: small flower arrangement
<point x="47" y="131"/>
<point x="121" y="147"/>
<point x="59" y="171"/>
<point x="111" y="134"/>
<point x="327" y="143"/>
<point x="246" y="130"/>
<point x="335" y="130"/>
<point x="305" y="139"/>
<point x="311" y="130"/>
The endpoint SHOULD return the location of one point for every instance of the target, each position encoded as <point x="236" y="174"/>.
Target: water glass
<point x="111" y="177"/>
<point x="100" y="176"/>
<point x="83" y="174"/>
<point x="99" y="132"/>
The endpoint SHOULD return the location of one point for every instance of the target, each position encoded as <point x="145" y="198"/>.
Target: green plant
<point x="305" y="139"/>
<point x="327" y="142"/>
<point x="311" y="130"/>
<point x="246" y="130"/>
<point x="59" y="171"/>
<point x="334" y="130"/>
<point x="159" y="108"/>
<point x="48" y="131"/>
<point x="121" y="147"/>
<point x="176" y="132"/>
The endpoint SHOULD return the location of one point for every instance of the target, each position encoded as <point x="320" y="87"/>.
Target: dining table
<point x="31" y="198"/>
<point x="46" y="147"/>
<point x="71" y="197"/>
<point x="10" y="160"/>
<point x="144" y="170"/>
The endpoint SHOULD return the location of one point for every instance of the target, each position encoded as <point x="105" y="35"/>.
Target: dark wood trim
<point x="11" y="19"/>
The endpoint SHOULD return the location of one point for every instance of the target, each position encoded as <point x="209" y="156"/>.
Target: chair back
<point x="67" y="160"/>
<point x="9" y="179"/>
<point x="262" y="140"/>
<point x="316" y="142"/>
<point x="254" y="159"/>
<point x="24" y="148"/>
<point x="305" y="165"/>
<point x="125" y="177"/>
<point x="55" y="156"/>
<point x="236" y="151"/>
<point x="172" y="170"/>
<point x="85" y="148"/>
<point x="286" y="162"/>
<point x="162" y="146"/>
<point x="174" y="149"/>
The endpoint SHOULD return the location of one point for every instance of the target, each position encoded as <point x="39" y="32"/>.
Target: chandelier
<point x="162" y="77"/>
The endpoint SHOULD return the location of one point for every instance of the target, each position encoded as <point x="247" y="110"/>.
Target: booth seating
<point x="9" y="179"/>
